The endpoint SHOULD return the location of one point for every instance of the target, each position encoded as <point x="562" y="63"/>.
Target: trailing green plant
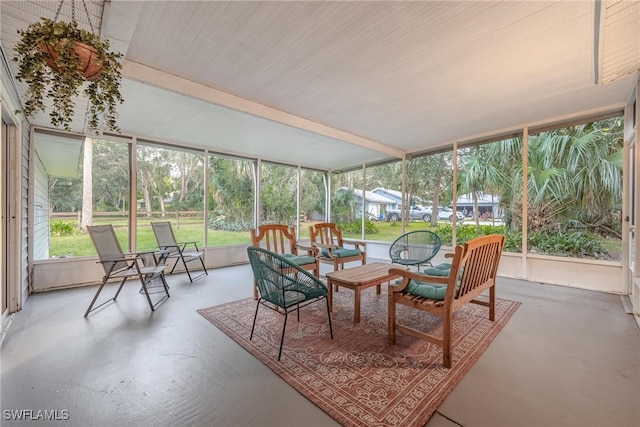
<point x="34" y="54"/>
<point x="62" y="228"/>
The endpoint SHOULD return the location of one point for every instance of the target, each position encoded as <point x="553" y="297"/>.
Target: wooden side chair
<point x="472" y="271"/>
<point x="327" y="238"/>
<point x="281" y="239"/>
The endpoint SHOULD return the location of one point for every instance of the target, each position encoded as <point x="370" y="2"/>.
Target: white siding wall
<point x="24" y="214"/>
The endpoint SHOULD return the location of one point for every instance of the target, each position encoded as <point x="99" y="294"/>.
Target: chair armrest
<point x="329" y="248"/>
<point x="184" y="244"/>
<point x="408" y="275"/>
<point x="159" y="255"/>
<point x="166" y="247"/>
<point x="356" y="243"/>
<point x="450" y="255"/>
<point x="310" y="250"/>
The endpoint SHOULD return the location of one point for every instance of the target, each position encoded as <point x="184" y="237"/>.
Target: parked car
<point x="447" y="213"/>
<point x="417" y="212"/>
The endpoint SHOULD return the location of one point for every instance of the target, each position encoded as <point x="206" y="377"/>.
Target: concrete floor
<point x="567" y="357"/>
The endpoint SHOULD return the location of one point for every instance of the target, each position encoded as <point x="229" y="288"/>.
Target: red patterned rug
<point x="357" y="378"/>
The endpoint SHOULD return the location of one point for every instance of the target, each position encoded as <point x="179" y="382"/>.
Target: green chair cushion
<point x="300" y="259"/>
<point x="427" y="290"/>
<point x="342" y="252"/>
<point x="438" y="271"/>
<point x="431" y="290"/>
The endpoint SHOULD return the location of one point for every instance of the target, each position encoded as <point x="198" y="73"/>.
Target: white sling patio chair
<point x="167" y="242"/>
<point x="118" y="265"/>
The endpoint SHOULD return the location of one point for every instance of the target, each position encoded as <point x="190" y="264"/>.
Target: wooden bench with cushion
<point x="448" y="287"/>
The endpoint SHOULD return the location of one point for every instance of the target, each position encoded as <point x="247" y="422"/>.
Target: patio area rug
<point x="358" y="378"/>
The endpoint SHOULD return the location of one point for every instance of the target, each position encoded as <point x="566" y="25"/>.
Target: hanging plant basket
<point x="90" y="62"/>
<point x="57" y="60"/>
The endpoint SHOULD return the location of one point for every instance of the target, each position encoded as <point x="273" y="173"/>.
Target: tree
<point x="479" y="174"/>
<point x="110" y="175"/>
<point x="574" y="173"/>
<point x="428" y="177"/>
<point x="231" y="188"/>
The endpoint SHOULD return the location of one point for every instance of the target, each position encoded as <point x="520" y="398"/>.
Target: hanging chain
<point x="58" y="11"/>
<point x="73" y="13"/>
<point x="88" y="17"/>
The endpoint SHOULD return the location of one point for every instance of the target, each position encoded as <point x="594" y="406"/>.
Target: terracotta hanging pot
<point x="91" y="68"/>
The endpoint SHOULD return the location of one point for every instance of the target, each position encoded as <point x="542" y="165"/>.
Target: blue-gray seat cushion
<point x="434" y="291"/>
<point x="342" y="252"/>
<point x="427" y="290"/>
<point x="299" y="259"/>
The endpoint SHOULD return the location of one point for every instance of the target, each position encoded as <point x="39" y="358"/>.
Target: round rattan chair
<point x="415" y="248"/>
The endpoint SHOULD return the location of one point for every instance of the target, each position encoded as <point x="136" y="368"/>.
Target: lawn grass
<point x="191" y="229"/>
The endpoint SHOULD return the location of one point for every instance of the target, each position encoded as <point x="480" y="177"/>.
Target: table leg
<point x="356" y="309"/>
<point x="378" y="288"/>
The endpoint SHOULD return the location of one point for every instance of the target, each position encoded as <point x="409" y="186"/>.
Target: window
<point x="575" y="190"/>
<point x="78" y="183"/>
<point x="170" y="188"/>
<point x="312" y="200"/>
<point x="230" y="201"/>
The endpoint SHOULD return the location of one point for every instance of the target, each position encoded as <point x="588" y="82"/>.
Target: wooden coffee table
<point x="359" y="278"/>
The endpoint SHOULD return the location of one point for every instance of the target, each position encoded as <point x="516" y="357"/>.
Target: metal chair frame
<point x="284" y="286"/>
<point x="167" y="241"/>
<point x="117" y="264"/>
<point x="415" y="248"/>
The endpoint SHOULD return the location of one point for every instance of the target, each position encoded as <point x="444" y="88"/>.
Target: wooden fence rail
<point x="167" y="215"/>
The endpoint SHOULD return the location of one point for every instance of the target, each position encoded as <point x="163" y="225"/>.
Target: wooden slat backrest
<point x="478" y="261"/>
<point x="278" y="238"/>
<point x="326" y="233"/>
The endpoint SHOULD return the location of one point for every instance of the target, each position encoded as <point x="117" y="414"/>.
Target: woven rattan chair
<point x="472" y="272"/>
<point x="167" y="241"/>
<point x="327" y="237"/>
<point x="415" y="248"/>
<point x="284" y="287"/>
<point x="281" y="239"/>
<point x="118" y="265"/>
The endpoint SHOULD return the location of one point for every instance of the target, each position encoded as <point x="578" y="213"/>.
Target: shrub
<point x="353" y="227"/>
<point x="62" y="228"/>
<point x="578" y="244"/>
<point x="219" y="222"/>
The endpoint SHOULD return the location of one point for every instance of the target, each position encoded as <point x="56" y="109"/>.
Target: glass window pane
<point x="346" y="202"/>
<point x="91" y="187"/>
<point x="278" y="194"/>
<point x="575" y="191"/>
<point x="312" y="200"/>
<point x="170" y="188"/>
<point x="384" y="194"/>
<point x="230" y="201"/>
<point x="490" y="191"/>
